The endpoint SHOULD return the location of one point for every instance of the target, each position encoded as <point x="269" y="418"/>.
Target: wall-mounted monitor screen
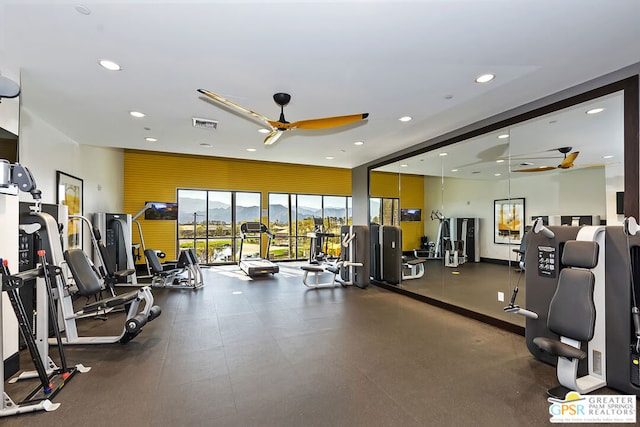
<point x="162" y="210"/>
<point x="620" y="202"/>
<point x="410" y="214"/>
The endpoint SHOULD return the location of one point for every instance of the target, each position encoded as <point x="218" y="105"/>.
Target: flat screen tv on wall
<point x="410" y="214"/>
<point x="162" y="211"/>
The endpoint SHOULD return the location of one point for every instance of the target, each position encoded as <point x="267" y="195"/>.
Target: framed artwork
<point x="508" y="221"/>
<point x="69" y="193"/>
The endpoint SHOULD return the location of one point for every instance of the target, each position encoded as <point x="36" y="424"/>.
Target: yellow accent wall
<point x="412" y="196"/>
<point x="384" y="184"/>
<point x="155" y="177"/>
<point x="410" y="190"/>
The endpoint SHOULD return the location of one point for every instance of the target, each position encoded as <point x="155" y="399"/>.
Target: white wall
<point x="9" y="234"/>
<point x="574" y="192"/>
<point x="45" y="150"/>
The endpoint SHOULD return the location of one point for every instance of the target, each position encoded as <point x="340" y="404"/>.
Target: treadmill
<point x="256" y="266"/>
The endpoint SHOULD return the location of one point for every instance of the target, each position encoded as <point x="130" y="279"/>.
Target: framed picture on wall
<point x="508" y="221"/>
<point x="69" y="193"/>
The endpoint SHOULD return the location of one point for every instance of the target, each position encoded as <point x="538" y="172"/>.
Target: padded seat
<point x="112" y="302"/>
<point x="89" y="283"/>
<point x="572" y="315"/>
<point x="558" y="348"/>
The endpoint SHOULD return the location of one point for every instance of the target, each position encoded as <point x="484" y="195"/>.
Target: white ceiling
<point x="385" y="58"/>
<point x="598" y="138"/>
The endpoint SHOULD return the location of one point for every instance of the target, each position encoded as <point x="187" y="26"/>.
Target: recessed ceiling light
<point x="608" y="156"/>
<point x="503" y="136"/>
<point x="405" y="119"/>
<point x="404" y="165"/>
<point x="454" y="170"/>
<point x="358" y="143"/>
<point x="595" y="111"/>
<point x="137" y="114"/>
<point x="236" y="293"/>
<point x="109" y="65"/>
<point x="151" y="139"/>
<point x="263" y="130"/>
<point x="82" y="9"/>
<point x="497" y="174"/>
<point x="500" y="161"/>
<point x="443" y="154"/>
<point x="329" y="157"/>
<point x="206" y="145"/>
<point x="251" y="150"/>
<point x="485" y="78"/>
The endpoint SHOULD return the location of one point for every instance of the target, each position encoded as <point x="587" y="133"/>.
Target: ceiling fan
<point x="567" y="161"/>
<point x="279" y="126"/>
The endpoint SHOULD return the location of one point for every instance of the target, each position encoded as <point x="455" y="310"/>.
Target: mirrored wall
<point x="466" y="207"/>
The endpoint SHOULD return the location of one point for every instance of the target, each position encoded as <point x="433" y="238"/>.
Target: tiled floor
<point x="269" y="352"/>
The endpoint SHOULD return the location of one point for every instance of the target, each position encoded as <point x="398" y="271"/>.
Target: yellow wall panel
<point x="155" y="177"/>
<point x="384" y="184"/>
<point x="412" y="196"/>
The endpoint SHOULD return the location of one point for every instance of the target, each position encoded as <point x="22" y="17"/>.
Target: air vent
<point x="205" y="123"/>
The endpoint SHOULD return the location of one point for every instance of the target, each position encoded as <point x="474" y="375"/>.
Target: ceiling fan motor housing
<point x="282" y="99"/>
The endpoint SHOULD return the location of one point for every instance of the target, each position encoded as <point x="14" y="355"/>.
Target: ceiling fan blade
<point x="568" y="161"/>
<point x="328" y="122"/>
<point x="273" y="137"/>
<point x="238" y="107"/>
<point x="538" y="169"/>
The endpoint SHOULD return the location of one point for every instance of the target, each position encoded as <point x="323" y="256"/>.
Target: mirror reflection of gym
<point x="464" y="183"/>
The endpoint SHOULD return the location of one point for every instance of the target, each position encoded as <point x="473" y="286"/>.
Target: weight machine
<point x="52" y="378"/>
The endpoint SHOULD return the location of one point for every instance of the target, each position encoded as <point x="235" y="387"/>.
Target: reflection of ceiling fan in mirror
<point x="279" y="126"/>
<point x="567" y="161"/>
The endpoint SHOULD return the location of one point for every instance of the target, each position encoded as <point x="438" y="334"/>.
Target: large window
<point x="209" y="221"/>
<point x="291" y="218"/>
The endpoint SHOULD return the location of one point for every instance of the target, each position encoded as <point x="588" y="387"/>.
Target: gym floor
<point x="270" y="352"/>
<point x="472" y="285"/>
